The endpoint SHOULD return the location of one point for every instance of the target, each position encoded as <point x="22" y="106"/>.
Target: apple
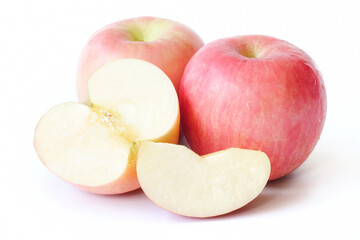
<point x="180" y="181"/>
<point x="95" y="147"/>
<point x="165" y="43"/>
<point x="254" y="92"/>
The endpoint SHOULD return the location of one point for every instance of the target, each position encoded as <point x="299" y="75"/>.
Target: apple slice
<point x="94" y="147"/>
<point x="180" y="181"/>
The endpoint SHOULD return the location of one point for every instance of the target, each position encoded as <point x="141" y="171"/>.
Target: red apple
<point x="167" y="44"/>
<point x="254" y="92"/>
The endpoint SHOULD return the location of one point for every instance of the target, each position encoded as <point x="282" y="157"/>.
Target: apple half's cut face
<point x="94" y="147"/>
<point x="180" y="181"/>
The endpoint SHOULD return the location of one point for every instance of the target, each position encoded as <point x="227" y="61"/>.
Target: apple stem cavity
<point x="147" y="31"/>
<point x="249" y="51"/>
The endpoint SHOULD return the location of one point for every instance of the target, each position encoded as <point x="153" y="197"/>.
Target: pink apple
<point x="167" y="44"/>
<point x="94" y="147"/>
<point x="254" y="92"/>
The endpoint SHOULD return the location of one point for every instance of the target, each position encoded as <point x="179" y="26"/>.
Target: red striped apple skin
<point x="253" y="92"/>
<point x="165" y="43"/>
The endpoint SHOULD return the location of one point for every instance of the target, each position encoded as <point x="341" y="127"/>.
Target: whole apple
<point x="167" y="44"/>
<point x="254" y="92"/>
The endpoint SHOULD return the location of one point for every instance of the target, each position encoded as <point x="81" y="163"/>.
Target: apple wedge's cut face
<point x="94" y="147"/>
<point x="180" y="181"/>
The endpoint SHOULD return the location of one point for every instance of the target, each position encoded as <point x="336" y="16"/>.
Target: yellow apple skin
<point x="167" y="44"/>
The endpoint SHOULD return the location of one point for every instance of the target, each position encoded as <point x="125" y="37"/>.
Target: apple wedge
<point x="182" y="182"/>
<point x="95" y="147"/>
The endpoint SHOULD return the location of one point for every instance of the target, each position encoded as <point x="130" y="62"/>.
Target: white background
<point x="40" y="42"/>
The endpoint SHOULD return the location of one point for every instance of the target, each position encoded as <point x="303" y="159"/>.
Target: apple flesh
<point x="180" y="181"/>
<point x="253" y="92"/>
<point x="95" y="147"/>
<point x="165" y="43"/>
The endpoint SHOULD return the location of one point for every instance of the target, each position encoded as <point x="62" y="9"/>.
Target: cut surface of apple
<point x="182" y="182"/>
<point x="94" y="147"/>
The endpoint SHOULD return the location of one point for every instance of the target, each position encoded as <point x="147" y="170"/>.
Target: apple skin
<point x="254" y="92"/>
<point x="167" y="44"/>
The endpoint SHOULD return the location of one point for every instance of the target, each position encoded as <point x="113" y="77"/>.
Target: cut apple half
<point x="95" y="147"/>
<point x="182" y="182"/>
